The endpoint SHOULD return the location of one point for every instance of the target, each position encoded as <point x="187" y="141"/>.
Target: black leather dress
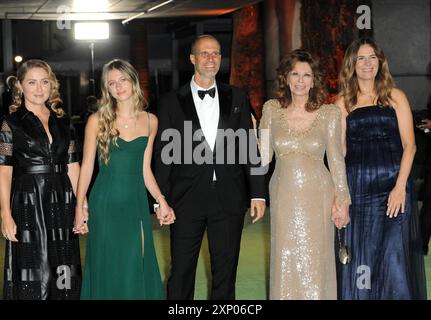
<point x="45" y="262"/>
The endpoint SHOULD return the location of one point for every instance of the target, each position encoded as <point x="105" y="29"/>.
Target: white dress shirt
<point x="208" y="110"/>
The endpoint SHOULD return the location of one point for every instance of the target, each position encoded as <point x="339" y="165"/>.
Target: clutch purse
<point x="344" y="254"/>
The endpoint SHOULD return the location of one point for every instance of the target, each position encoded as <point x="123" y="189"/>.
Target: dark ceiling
<point x="115" y="9"/>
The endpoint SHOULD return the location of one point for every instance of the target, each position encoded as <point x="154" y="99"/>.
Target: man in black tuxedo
<point x="206" y="175"/>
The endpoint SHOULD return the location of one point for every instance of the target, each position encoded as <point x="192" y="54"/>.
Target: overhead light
<point x="132" y="17"/>
<point x="147" y="11"/>
<point x="18" y="59"/>
<point x="159" y="5"/>
<point x="91" y="30"/>
<point x="90" y="5"/>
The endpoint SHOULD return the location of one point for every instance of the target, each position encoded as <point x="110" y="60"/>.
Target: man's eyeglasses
<point x="206" y="55"/>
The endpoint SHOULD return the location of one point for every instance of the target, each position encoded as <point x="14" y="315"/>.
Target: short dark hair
<point x="199" y="38"/>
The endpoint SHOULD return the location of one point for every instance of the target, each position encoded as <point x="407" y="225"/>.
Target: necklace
<point x="124" y="121"/>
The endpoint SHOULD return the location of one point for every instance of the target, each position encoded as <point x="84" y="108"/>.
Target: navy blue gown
<point x="387" y="262"/>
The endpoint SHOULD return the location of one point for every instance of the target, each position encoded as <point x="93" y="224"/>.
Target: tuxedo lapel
<point x="187" y="104"/>
<point x="225" y="101"/>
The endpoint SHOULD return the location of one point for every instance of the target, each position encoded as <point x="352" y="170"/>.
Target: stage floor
<point x="253" y="268"/>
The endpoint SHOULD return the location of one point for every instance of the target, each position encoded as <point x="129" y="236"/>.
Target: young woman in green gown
<point x="120" y="260"/>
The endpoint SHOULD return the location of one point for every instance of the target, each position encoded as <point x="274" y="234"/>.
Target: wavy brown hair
<point x="54" y="99"/>
<point x="348" y="80"/>
<point x="108" y="105"/>
<point x="316" y="97"/>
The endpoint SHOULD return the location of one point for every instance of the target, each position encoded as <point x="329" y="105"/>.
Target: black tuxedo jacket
<point x="186" y="181"/>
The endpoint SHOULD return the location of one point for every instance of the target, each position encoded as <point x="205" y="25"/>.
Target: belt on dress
<point x="43" y="168"/>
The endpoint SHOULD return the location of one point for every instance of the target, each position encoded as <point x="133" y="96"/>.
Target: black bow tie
<point x="210" y="92"/>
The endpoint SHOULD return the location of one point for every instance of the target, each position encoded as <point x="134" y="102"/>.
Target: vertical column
<point x="7" y="46"/>
<point x="282" y="34"/>
<point x="139" y="54"/>
<point x="272" y="52"/>
<point x="247" y="59"/>
<point x="285" y="10"/>
<point x="174" y="61"/>
<point x="7" y="63"/>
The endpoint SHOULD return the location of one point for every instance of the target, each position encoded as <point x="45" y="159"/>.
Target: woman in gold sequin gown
<point x="299" y="128"/>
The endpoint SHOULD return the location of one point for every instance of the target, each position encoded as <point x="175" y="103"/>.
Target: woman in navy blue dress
<point x="383" y="234"/>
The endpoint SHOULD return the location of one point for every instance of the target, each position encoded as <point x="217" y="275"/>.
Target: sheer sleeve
<point x="6" y="145"/>
<point x="335" y="154"/>
<point x="74" y="151"/>
<point x="265" y="137"/>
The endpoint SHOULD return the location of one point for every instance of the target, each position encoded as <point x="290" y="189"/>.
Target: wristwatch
<point x="157" y="204"/>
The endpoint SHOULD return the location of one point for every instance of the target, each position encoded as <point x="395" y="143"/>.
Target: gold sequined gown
<point x="301" y="195"/>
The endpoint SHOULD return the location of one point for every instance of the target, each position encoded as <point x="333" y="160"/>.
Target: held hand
<point x="170" y="219"/>
<point x="426" y="124"/>
<point x="340" y="214"/>
<point x="81" y="221"/>
<point x="345" y="213"/>
<point x="257" y="209"/>
<point x="165" y="214"/>
<point x="396" y="201"/>
<point x="8" y="228"/>
<point x="335" y="217"/>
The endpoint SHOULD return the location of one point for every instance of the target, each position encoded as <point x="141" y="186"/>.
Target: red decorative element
<point x="210" y="12"/>
<point x="247" y="59"/>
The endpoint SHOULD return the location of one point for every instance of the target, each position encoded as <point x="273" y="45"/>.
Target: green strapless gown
<point x="120" y="261"/>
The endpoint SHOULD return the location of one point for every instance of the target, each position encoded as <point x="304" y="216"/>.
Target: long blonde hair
<point x="283" y="93"/>
<point x="348" y="80"/>
<point x="108" y="105"/>
<point x="54" y="99"/>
